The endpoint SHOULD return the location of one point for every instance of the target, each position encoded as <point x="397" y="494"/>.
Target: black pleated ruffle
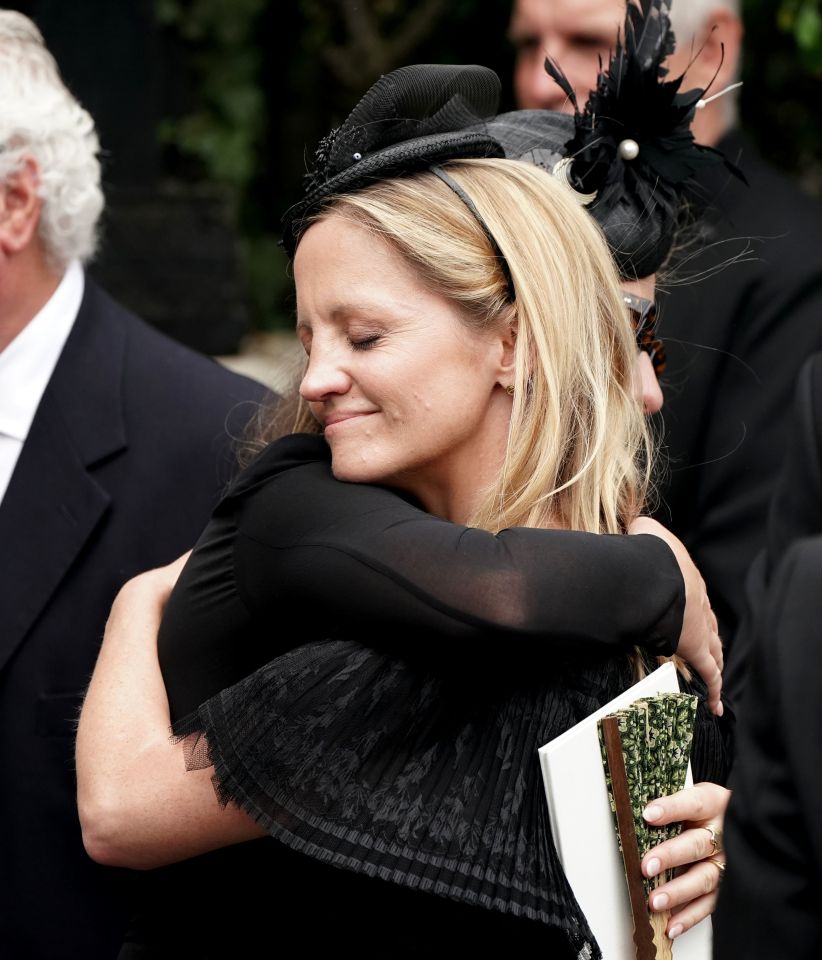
<point x="371" y="764"/>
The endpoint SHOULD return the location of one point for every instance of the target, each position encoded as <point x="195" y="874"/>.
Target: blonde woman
<point x="386" y="618"/>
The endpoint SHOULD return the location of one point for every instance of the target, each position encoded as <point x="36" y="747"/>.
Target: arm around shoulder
<point x="138" y="805"/>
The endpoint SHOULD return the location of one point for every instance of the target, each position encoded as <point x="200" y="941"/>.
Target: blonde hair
<point x="579" y="451"/>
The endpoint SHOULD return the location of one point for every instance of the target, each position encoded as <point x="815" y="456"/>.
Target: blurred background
<point x="209" y="112"/>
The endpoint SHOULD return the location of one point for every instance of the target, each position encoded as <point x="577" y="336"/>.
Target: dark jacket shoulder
<point x="121" y="382"/>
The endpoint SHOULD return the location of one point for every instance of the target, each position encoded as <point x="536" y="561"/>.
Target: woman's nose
<point x="647" y="385"/>
<point x="324" y="376"/>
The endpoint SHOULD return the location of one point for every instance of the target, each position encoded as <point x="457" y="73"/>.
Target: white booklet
<point x="584" y="832"/>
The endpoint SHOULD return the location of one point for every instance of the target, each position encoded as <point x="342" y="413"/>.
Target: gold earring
<point x="510" y="389"/>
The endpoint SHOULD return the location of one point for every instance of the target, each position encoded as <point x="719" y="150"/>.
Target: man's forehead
<point x="569" y="14"/>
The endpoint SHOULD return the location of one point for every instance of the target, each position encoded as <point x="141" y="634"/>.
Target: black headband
<point x="450" y="182"/>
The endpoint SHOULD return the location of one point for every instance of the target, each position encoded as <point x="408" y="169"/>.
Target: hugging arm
<point x="138" y="806"/>
<point x="376" y="561"/>
<point x="335" y="556"/>
<point x="352" y="561"/>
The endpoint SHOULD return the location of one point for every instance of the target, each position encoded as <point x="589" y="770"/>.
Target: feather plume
<point x="639" y="189"/>
<point x="633" y="100"/>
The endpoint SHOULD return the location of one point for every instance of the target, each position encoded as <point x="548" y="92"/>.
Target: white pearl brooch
<point x="629" y="149"/>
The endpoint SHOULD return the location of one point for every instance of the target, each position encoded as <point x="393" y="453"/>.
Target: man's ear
<point x="717" y="50"/>
<point x="20" y="208"/>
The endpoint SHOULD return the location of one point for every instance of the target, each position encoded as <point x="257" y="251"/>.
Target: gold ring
<point x="720" y="866"/>
<point x="716" y="837"/>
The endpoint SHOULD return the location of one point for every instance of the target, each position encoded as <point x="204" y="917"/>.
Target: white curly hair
<point x="40" y="119"/>
<point x="690" y="17"/>
<point x="691" y="20"/>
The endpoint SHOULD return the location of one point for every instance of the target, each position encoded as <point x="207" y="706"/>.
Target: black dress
<point x="394" y="765"/>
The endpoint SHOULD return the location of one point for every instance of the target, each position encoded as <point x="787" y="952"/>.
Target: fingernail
<point x="675" y="931"/>
<point x="652" y="867"/>
<point x="720" y="710"/>
<point x="660" y="901"/>
<point x="652" y="812"/>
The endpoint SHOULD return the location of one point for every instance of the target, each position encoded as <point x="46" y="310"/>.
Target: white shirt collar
<point x="27" y="363"/>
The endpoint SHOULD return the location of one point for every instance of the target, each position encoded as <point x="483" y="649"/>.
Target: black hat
<point x="629" y="154"/>
<point x="408" y="120"/>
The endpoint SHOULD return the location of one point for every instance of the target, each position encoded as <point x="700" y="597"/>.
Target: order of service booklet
<point x="584" y="834"/>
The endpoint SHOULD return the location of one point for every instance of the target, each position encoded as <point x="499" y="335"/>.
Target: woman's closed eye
<point x="364" y="343"/>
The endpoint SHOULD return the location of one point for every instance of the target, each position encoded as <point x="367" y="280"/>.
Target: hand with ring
<point x="715" y="833"/>
<point x="691" y="895"/>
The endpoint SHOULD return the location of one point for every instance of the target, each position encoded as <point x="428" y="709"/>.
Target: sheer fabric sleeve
<point x="358" y="560"/>
<point x="293" y="555"/>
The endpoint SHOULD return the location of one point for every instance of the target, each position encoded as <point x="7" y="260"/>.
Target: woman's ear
<point x="20" y="207"/>
<point x="508" y="352"/>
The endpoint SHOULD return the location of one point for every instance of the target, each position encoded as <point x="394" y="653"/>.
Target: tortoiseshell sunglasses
<point x="643" y="316"/>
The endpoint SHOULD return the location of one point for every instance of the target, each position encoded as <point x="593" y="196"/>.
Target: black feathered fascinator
<point x="632" y="147"/>
<point x="629" y="153"/>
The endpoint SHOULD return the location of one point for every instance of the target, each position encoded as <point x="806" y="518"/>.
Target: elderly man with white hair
<point x="737" y="334"/>
<point x="115" y="444"/>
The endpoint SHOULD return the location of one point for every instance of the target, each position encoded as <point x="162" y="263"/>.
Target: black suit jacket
<point x="769" y="904"/>
<point x="795" y="512"/>
<point x="736" y="341"/>
<point x="128" y="453"/>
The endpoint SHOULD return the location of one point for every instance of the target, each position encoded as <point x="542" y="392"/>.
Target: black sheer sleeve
<point x="356" y="558"/>
<point x="293" y="555"/>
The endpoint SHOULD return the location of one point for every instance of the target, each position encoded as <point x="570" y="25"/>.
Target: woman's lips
<point x="338" y="419"/>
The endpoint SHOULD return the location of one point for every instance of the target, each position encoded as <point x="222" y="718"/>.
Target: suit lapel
<point x="53" y="502"/>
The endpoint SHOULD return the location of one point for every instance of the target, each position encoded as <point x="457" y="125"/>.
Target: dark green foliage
<point x="782" y="69"/>
<point x="266" y="80"/>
